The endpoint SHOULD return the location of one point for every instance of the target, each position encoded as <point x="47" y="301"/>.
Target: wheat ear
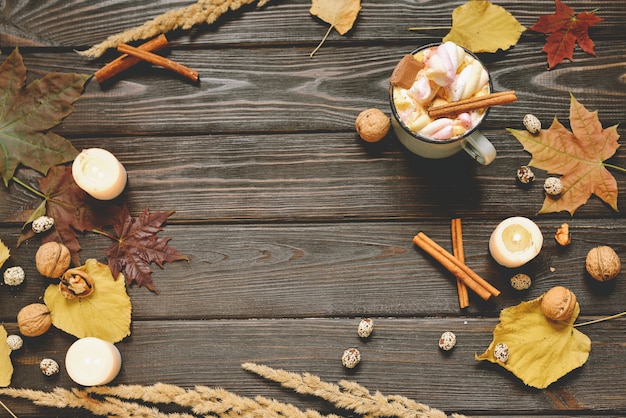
<point x="204" y="11"/>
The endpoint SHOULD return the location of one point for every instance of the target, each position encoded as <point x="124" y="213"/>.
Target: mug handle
<point x="479" y="148"/>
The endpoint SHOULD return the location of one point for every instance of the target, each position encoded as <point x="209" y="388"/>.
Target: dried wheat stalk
<point x="204" y="11"/>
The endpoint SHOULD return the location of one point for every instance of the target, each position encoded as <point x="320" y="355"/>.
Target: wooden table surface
<point x="296" y="229"/>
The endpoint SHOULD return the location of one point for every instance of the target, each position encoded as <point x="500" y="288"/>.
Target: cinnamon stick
<point x="160" y="61"/>
<point x="472" y="280"/>
<point x="125" y="61"/>
<point x="473" y="103"/>
<point x="459" y="253"/>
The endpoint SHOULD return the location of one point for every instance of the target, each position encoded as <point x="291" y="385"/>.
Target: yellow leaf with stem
<point x="481" y="26"/>
<point x="4" y="253"/>
<point x="340" y="14"/>
<point x="105" y="314"/>
<point x="540" y="350"/>
<point x="6" y="367"/>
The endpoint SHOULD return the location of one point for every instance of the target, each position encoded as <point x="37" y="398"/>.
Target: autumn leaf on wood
<point x="5" y="253"/>
<point x="105" y="314"/>
<point x="565" y="28"/>
<point x="340" y="14"/>
<point x="578" y="156"/>
<point x="481" y="26"/>
<point x="28" y="113"/>
<point x="137" y="246"/>
<point x="541" y="350"/>
<point x="72" y="209"/>
<point x="6" y="367"/>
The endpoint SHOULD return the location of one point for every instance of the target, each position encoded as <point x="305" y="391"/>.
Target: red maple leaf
<point x="565" y="28"/>
<point x="137" y="246"/>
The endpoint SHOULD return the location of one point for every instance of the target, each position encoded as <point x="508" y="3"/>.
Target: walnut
<point x="34" y="320"/>
<point x="603" y="263"/>
<point x="52" y="259"/>
<point x="76" y="283"/>
<point x="562" y="236"/>
<point x="558" y="303"/>
<point x="372" y="125"/>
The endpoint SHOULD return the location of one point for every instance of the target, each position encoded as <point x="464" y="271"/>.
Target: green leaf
<point x="105" y="314"/>
<point x="28" y="113"/>
<point x="540" y="350"/>
<point x="6" y="367"/>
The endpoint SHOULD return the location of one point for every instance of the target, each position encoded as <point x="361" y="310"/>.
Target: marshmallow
<point x="438" y="129"/>
<point x="442" y="65"/>
<point x="423" y="90"/>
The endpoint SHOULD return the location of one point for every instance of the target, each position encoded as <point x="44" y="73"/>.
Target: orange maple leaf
<point x="578" y="156"/>
<point x="565" y="28"/>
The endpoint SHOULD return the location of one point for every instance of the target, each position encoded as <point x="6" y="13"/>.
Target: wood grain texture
<point x="296" y="229"/>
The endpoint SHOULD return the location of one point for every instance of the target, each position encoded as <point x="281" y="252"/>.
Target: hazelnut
<point x="603" y="263"/>
<point x="563" y="236"/>
<point x="52" y="259"/>
<point x="558" y="303"/>
<point x="372" y="125"/>
<point x="34" y="320"/>
<point x="76" y="283"/>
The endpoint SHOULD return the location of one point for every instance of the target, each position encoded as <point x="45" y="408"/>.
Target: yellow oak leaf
<point x="541" y="350"/>
<point x="481" y="26"/>
<point x="6" y="367"/>
<point x="4" y="253"/>
<point x="340" y="14"/>
<point x="105" y="314"/>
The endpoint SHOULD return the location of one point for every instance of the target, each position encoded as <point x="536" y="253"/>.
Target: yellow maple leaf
<point x="6" y="367"/>
<point x="481" y="26"/>
<point x="105" y="314"/>
<point x="540" y="350"/>
<point x="4" y="253"/>
<point x="340" y="14"/>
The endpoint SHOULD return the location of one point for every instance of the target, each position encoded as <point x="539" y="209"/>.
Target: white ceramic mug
<point x="472" y="141"/>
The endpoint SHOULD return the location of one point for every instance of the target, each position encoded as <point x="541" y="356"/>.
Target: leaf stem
<point x="28" y="187"/>
<point x="595" y="321"/>
<point x="8" y="410"/>
<point x="322" y="41"/>
<point x="97" y="231"/>
<point x="615" y="167"/>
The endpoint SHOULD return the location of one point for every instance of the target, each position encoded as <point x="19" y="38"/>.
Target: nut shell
<point x="603" y="263"/>
<point x="52" y="259"/>
<point x="34" y="320"/>
<point x="76" y="283"/>
<point x="558" y="303"/>
<point x="372" y="125"/>
<point x="562" y="236"/>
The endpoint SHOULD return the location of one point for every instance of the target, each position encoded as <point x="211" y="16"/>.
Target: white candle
<point x="91" y="361"/>
<point x="99" y="173"/>
<point x="515" y="241"/>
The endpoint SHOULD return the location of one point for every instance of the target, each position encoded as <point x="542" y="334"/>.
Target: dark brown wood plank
<point x="278" y="90"/>
<point x="330" y="176"/>
<point x="401" y="358"/>
<point x="82" y="23"/>
<point x="342" y="269"/>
